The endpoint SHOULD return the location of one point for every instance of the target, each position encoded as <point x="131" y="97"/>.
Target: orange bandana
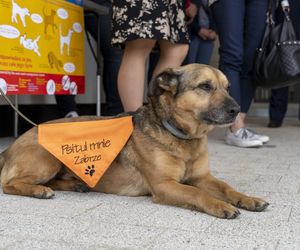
<point x="87" y="148"/>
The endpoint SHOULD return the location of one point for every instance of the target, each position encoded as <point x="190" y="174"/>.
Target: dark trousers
<point x="65" y="104"/>
<point x="111" y="58"/>
<point x="240" y="25"/>
<point x="279" y="97"/>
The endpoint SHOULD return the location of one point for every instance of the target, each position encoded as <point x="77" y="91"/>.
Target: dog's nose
<point x="233" y="109"/>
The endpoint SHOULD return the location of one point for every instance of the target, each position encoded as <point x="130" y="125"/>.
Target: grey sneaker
<point x="260" y="137"/>
<point x="71" y="114"/>
<point x="242" y="138"/>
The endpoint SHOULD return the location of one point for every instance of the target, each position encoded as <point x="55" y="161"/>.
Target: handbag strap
<point x="270" y="11"/>
<point x="287" y="31"/>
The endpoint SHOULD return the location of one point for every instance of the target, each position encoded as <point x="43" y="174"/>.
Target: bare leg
<point x="239" y="122"/>
<point x="171" y="55"/>
<point x="131" y="78"/>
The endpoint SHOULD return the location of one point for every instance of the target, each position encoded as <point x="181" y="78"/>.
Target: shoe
<point x="274" y="124"/>
<point x="260" y="137"/>
<point x="242" y="138"/>
<point x="71" y="114"/>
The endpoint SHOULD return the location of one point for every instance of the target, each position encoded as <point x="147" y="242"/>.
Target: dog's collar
<point x="168" y="125"/>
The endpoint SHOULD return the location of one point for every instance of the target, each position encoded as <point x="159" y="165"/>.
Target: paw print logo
<point x="90" y="170"/>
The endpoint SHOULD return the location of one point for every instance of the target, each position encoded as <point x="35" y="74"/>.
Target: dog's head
<point x="26" y="12"/>
<point x="194" y="97"/>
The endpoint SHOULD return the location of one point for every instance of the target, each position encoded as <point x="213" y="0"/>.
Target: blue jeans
<point x="200" y="51"/>
<point x="111" y="58"/>
<point x="240" y="25"/>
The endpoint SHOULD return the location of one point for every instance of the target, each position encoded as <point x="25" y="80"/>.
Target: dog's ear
<point x="168" y="80"/>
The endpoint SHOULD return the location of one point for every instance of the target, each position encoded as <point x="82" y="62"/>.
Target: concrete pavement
<point x="99" y="221"/>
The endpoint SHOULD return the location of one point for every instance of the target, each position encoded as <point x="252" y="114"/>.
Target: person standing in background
<point x="112" y="57"/>
<point x="66" y="104"/>
<point x="240" y="26"/>
<point x="202" y="36"/>
<point x="138" y="26"/>
<point x="279" y="97"/>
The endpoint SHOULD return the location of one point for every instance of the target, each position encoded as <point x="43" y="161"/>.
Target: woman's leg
<point x="255" y="17"/>
<point x="205" y="50"/>
<point x="229" y="20"/>
<point x="193" y="50"/>
<point x="131" y="77"/>
<point x="171" y="55"/>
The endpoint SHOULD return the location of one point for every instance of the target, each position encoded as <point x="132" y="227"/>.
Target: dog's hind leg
<point x="25" y="175"/>
<point x="67" y="185"/>
<point x="22" y="186"/>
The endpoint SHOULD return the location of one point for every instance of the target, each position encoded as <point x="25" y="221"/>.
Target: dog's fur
<point x="194" y="98"/>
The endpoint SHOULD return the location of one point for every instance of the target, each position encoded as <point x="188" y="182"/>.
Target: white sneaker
<point x="242" y="138"/>
<point x="260" y="137"/>
<point x="71" y="114"/>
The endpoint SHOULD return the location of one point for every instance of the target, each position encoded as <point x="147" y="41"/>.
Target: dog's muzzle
<point x="223" y="115"/>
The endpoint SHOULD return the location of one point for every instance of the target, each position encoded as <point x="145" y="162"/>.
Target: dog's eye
<point x="206" y="87"/>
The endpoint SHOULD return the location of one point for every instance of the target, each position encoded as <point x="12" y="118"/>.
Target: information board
<point x="41" y="47"/>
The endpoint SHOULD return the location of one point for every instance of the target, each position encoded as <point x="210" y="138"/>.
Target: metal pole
<point x="98" y="95"/>
<point x="98" y="69"/>
<point x="16" y="123"/>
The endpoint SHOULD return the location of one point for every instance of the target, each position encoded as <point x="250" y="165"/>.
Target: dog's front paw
<point x="224" y="210"/>
<point x="252" y="204"/>
<point x="81" y="188"/>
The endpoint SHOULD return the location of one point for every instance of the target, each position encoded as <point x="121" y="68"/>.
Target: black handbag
<point x="277" y="62"/>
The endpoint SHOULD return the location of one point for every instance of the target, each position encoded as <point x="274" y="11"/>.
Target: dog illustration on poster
<point x="19" y="11"/>
<point x="49" y="20"/>
<point x="65" y="40"/>
<point x="30" y="44"/>
<point x="54" y="61"/>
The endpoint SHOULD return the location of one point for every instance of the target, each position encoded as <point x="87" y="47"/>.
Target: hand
<point x="207" y="34"/>
<point x="212" y="35"/>
<point x="191" y="12"/>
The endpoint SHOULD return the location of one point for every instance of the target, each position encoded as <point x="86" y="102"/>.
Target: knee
<point x="176" y="53"/>
<point x="184" y="51"/>
<point x="231" y="60"/>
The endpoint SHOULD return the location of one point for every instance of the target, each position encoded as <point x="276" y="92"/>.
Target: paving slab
<point x="102" y="221"/>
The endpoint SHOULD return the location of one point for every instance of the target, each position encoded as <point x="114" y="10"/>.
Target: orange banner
<point x="86" y="148"/>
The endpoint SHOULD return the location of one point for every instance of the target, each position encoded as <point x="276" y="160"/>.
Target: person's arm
<point x="192" y="9"/>
<point x="196" y="2"/>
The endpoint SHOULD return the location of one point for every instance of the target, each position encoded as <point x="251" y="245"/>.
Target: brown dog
<point x="166" y="156"/>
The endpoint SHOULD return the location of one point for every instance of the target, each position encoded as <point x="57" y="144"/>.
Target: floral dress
<point x="148" y="19"/>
